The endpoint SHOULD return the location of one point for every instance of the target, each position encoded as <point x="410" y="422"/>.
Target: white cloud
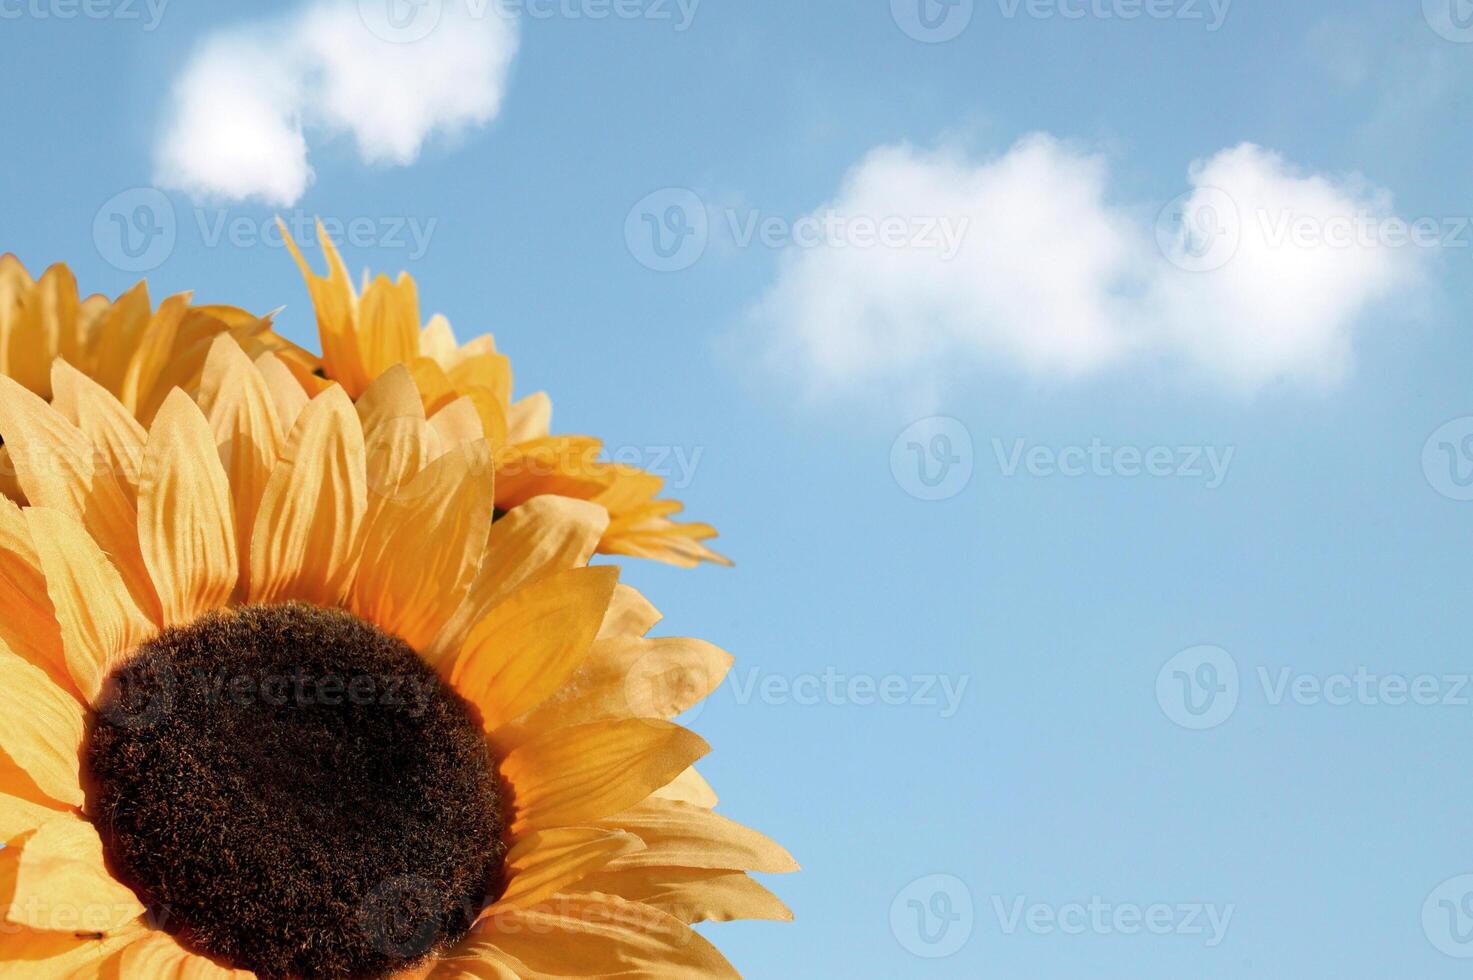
<point x="247" y="101"/>
<point x="1258" y="274"/>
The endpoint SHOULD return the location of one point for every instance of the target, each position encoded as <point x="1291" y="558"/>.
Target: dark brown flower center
<point x="295" y="792"/>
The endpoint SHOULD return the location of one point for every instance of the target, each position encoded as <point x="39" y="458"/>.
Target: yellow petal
<point x="41" y="732"/>
<point x="99" y="622"/>
<point x="399" y="443"/>
<point x="692" y="894"/>
<point x="685" y="836"/>
<point x="55" y="465"/>
<point x="158" y="956"/>
<point x="304" y="545"/>
<point x="388" y="324"/>
<point x="591" y="935"/>
<point x="458" y="423"/>
<point x="333" y="299"/>
<point x="28" y="623"/>
<point x="564" y="465"/>
<point x="28" y="954"/>
<point x="184" y="522"/>
<point x="287" y="394"/>
<point x="542" y="864"/>
<point x="103" y="420"/>
<point x="57" y="880"/>
<point x="572" y="776"/>
<point x="632" y="677"/>
<point x="530" y="644"/>
<point x="485" y="370"/>
<point x="630" y="614"/>
<point x="422" y="546"/>
<point x="247" y="434"/>
<point x="529" y="419"/>
<point x="543" y="536"/>
<point x="21" y="816"/>
<point x="689" y="787"/>
<point x="153" y="356"/>
<point x="119" y="336"/>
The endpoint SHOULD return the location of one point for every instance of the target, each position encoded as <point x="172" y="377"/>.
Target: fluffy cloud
<point x="1259" y="273"/>
<point x="247" y="100"/>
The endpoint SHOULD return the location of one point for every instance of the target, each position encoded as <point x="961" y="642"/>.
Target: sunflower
<point x="283" y="701"/>
<point x="365" y="335"/>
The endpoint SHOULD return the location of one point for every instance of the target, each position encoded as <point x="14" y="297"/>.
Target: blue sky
<point x="1203" y="403"/>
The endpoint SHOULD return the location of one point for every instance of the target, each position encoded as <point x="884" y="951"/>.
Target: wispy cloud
<point x="1259" y="273"/>
<point x="251" y="97"/>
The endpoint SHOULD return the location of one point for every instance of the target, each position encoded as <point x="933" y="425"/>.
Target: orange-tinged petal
<point x="153" y="355"/>
<point x="185" y="525"/>
<point x="247" y="434"/>
<point x="333" y="299"/>
<point x="28" y="623"/>
<point x="103" y="420"/>
<point x="433" y="383"/>
<point x="119" y="337"/>
<point x="572" y="776"/>
<point x="158" y="956"/>
<point x="56" y="880"/>
<point x="593" y="935"/>
<point x="685" y="836"/>
<point x="544" y="863"/>
<point x="422" y="545"/>
<point x="530" y="644"/>
<point x="388" y="324"/>
<point x="490" y="371"/>
<point x="692" y="894"/>
<point x="99" y="621"/>
<point x="564" y="465"/>
<point x="306" y="539"/>
<point x="630" y="614"/>
<point x="41" y="731"/>
<point x="545" y="535"/>
<point x="55" y="464"/>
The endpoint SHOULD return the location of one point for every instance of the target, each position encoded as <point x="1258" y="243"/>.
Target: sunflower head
<point x="281" y="697"/>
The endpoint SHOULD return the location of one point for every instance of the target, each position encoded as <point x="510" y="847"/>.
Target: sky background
<point x="1092" y="623"/>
